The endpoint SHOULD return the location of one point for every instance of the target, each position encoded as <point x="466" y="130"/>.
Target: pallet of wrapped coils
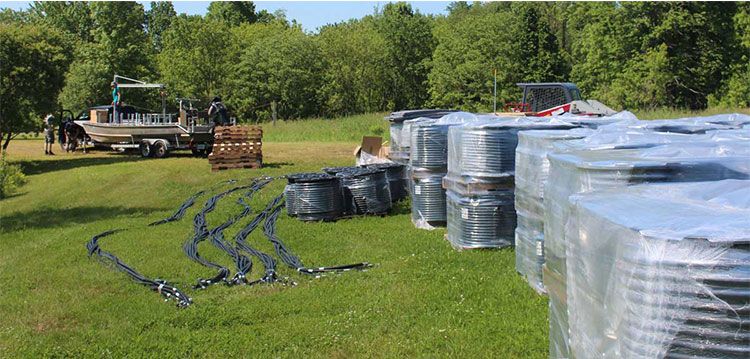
<point x="398" y="179"/>
<point x="365" y="190"/>
<point x="660" y="271"/>
<point x="479" y="183"/>
<point x="400" y="123"/>
<point x="600" y="168"/>
<point x="316" y="196"/>
<point x="531" y="172"/>
<point x="428" y="163"/>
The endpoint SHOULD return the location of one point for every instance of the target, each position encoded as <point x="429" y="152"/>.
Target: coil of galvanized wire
<point x="317" y="196"/>
<point x="428" y="199"/>
<point x="485" y="220"/>
<point x="397" y="179"/>
<point x="429" y="146"/>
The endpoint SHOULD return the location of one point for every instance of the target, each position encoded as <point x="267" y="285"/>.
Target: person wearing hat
<point x="218" y="113"/>
<point x="49" y="134"/>
<point x="115" y="101"/>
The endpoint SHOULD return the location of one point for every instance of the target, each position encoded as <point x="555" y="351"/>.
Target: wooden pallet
<point x="236" y="147"/>
<point x="468" y="187"/>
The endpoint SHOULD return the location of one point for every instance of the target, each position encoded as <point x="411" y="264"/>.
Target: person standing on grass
<point x="115" y="101"/>
<point x="49" y="134"/>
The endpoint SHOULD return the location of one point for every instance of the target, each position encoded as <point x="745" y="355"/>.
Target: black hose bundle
<point x="290" y="259"/>
<point x="177" y="215"/>
<point x="201" y="232"/>
<point x="366" y="190"/>
<point x="216" y="235"/>
<point x="398" y="179"/>
<point x="269" y="262"/>
<point x="317" y="196"/>
<point x="110" y="260"/>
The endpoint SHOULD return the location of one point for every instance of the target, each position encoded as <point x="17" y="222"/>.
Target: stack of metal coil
<point x="397" y="179"/>
<point x="317" y="196"/>
<point x="592" y="170"/>
<point x="366" y="190"/>
<point x="400" y="129"/>
<point x="709" y="317"/>
<point x="429" y="146"/>
<point x="479" y="220"/>
<point x="531" y="172"/>
<point x="665" y="267"/>
<point x="481" y="166"/>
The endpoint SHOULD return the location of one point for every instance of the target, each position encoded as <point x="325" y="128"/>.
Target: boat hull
<point x="108" y="133"/>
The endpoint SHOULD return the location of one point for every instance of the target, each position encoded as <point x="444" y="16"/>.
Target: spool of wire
<point x="397" y="179"/>
<point x="485" y="220"/>
<point x="317" y="196"/>
<point x="366" y="190"/>
<point x="429" y="146"/>
<point x="428" y="200"/>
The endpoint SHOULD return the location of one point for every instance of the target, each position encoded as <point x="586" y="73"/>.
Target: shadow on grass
<point x="35" y="167"/>
<point x="276" y="164"/>
<point x="50" y="217"/>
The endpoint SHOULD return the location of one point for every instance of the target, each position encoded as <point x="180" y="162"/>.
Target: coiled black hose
<point x="177" y="215"/>
<point x="290" y="259"/>
<point x="366" y="190"/>
<point x="268" y="261"/>
<point x="216" y="235"/>
<point x="317" y="196"/>
<point x="429" y="146"/>
<point x="398" y="180"/>
<point x="160" y="286"/>
<point x="201" y="232"/>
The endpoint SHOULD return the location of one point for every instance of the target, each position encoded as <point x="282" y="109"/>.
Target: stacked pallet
<point x="236" y="147"/>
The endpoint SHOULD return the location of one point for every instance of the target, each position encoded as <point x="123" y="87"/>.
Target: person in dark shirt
<point x="218" y="113"/>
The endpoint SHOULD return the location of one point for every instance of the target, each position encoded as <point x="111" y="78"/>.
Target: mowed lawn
<point x="422" y="299"/>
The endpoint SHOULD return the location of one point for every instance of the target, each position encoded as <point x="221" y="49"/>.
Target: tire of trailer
<point x="160" y="150"/>
<point x="145" y="149"/>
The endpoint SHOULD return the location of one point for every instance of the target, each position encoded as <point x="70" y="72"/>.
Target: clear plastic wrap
<point x="366" y="191"/>
<point x="532" y="168"/>
<point x="594" y="121"/>
<point x="530" y="248"/>
<point x="660" y="271"/>
<point x="427" y="200"/>
<point x="480" y="220"/>
<point x="486" y="149"/>
<point x="589" y="170"/>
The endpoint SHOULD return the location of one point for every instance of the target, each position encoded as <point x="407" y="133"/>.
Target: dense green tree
<point x="158" y="20"/>
<point x="736" y="89"/>
<point x="354" y="61"/>
<point x="536" y="50"/>
<point x="409" y="45"/>
<point x="233" y="12"/>
<point x="196" y="58"/>
<point x="120" y="46"/>
<point x="471" y="45"/>
<point x="73" y="18"/>
<point x="32" y="64"/>
<point x="276" y="63"/>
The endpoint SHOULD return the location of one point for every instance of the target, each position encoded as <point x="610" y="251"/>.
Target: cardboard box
<point x="372" y="150"/>
<point x="98" y="116"/>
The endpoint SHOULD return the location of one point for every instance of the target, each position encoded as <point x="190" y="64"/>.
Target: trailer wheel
<point x="145" y="148"/>
<point x="160" y="150"/>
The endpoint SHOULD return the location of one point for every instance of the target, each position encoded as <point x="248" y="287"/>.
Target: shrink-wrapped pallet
<point x="531" y="170"/>
<point x="583" y="171"/>
<point x="660" y="271"/>
<point x="481" y="166"/>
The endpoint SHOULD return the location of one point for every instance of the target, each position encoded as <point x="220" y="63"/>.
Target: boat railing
<point x="144" y="119"/>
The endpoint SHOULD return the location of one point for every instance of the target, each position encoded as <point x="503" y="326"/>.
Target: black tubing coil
<point x="317" y="196"/>
<point x="428" y="199"/>
<point x="397" y="179"/>
<point x="485" y="220"/>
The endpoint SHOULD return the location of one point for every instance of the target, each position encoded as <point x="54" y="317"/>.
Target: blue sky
<point x="311" y="14"/>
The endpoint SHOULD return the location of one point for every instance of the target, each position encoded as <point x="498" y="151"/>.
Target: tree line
<point x="627" y="55"/>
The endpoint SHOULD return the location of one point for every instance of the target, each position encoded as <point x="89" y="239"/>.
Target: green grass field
<point x="423" y="299"/>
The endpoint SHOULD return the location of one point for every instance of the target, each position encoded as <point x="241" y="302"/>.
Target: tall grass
<point x="345" y="129"/>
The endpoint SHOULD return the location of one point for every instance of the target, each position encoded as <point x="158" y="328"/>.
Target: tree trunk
<point x="7" y="140"/>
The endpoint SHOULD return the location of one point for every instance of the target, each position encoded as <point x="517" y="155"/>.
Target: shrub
<point x="10" y="177"/>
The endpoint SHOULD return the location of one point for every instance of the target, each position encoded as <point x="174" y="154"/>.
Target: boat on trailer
<point x="154" y="134"/>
